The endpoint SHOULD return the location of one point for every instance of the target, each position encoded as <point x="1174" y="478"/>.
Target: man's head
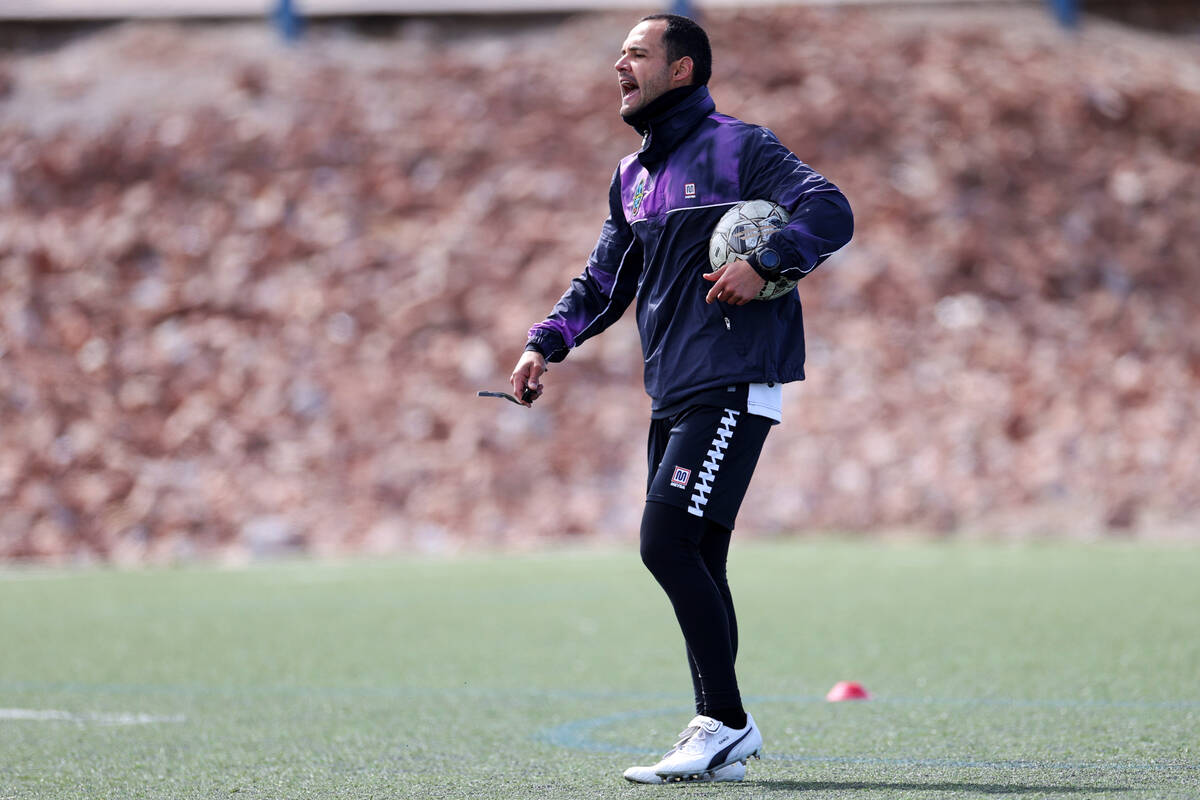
<point x="661" y="53"/>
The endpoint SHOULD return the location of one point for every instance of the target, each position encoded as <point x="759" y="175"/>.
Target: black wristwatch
<point x="766" y="263"/>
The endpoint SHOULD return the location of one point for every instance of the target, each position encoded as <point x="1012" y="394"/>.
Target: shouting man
<point x="715" y="362"/>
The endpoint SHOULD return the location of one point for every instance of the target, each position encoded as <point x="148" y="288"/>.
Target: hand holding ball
<point x="743" y="230"/>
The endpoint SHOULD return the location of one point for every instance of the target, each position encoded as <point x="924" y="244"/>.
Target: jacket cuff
<point x="547" y="342"/>
<point x="784" y="272"/>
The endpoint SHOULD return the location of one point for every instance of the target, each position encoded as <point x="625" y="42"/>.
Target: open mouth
<point x="628" y="87"/>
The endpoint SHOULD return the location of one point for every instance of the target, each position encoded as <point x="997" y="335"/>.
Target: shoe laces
<point x="684" y="736"/>
<point x="695" y="743"/>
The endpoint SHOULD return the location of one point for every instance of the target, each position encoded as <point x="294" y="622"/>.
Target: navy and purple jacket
<point x="664" y="202"/>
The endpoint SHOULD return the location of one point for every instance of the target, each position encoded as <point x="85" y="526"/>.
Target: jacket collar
<point x="669" y="119"/>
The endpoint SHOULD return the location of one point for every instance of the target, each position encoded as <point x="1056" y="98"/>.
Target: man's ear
<point x="681" y="73"/>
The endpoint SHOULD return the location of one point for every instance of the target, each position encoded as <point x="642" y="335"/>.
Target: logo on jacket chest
<point x="640" y="199"/>
<point x="639" y="195"/>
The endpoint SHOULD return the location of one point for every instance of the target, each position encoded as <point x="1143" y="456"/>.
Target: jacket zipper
<point x="725" y="316"/>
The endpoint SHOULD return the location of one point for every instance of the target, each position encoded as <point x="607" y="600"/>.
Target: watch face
<point x="769" y="259"/>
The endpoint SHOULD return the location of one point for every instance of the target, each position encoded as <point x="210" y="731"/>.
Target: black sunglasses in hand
<point x="527" y="396"/>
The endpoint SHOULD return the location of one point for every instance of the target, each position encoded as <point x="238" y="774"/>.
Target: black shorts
<point x="702" y="459"/>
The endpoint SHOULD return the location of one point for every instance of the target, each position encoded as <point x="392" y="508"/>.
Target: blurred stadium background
<point x="248" y="287"/>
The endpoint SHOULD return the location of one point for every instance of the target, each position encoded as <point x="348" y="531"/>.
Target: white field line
<point x="99" y="718"/>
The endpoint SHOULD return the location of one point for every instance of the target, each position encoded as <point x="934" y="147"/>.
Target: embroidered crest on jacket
<point x="639" y="194"/>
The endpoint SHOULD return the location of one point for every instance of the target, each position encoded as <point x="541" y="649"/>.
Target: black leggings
<point x="687" y="554"/>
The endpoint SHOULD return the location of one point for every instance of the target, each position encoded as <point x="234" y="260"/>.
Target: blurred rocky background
<point x="248" y="290"/>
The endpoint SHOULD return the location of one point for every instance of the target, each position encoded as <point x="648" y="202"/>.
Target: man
<point x="715" y="362"/>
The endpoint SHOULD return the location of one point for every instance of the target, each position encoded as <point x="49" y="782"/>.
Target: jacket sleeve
<point x="599" y="296"/>
<point x="820" y="218"/>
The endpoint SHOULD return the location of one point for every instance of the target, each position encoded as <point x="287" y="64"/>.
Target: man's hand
<point x="735" y="284"/>
<point x="527" y="374"/>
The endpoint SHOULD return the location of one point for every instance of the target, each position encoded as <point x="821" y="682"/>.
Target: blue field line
<point x="577" y="735"/>
<point x="569" y="694"/>
<point x="403" y="692"/>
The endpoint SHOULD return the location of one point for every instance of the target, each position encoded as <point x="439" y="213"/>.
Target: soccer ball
<point x="744" y="229"/>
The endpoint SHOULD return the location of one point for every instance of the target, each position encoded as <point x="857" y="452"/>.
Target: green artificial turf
<point x="1028" y="671"/>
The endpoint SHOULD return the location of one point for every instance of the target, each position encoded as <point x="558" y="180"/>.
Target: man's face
<point x="643" y="72"/>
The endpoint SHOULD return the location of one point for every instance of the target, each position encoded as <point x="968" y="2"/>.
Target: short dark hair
<point x="683" y="37"/>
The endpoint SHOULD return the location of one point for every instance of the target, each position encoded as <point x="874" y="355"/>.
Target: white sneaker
<point x="711" y="746"/>
<point x="728" y="773"/>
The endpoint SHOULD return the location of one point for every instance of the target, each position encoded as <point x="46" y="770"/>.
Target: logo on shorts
<point x="689" y="190"/>
<point x="680" y="478"/>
